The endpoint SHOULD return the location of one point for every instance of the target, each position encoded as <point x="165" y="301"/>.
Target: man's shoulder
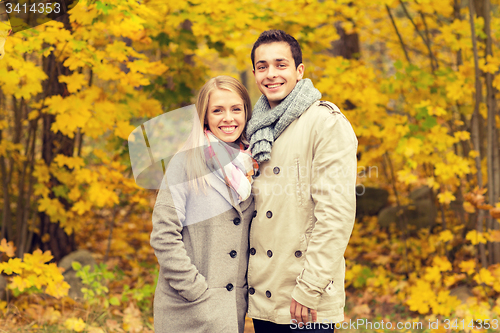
<point x="322" y="110"/>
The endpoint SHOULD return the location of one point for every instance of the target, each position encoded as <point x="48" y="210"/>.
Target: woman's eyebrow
<point x="221" y="106"/>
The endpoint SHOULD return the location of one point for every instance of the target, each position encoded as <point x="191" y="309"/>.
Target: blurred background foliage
<point x="418" y="80"/>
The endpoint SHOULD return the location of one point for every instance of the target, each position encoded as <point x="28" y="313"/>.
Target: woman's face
<point x="225" y="116"/>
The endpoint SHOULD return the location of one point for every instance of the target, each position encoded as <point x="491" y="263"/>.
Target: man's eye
<point x="261" y="68"/>
<point x="281" y="65"/>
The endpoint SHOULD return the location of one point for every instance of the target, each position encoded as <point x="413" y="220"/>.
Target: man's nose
<point x="272" y="72"/>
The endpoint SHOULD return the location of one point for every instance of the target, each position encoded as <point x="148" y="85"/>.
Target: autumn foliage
<point x="418" y="80"/>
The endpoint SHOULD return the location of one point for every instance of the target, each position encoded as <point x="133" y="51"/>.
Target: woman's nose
<point x="228" y="116"/>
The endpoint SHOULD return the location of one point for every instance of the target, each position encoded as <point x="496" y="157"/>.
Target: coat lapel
<point x="224" y="190"/>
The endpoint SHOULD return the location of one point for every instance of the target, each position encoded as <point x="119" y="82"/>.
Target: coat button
<point x="233" y="254"/>
<point x="229" y="287"/>
<point x="276" y="170"/>
<point x="268" y="294"/>
<point x="236" y="221"/>
<point x="269" y="214"/>
<point x="252" y="251"/>
<point x="251" y="291"/>
<point x="269" y="253"/>
<point x="298" y="254"/>
<point x="254" y="213"/>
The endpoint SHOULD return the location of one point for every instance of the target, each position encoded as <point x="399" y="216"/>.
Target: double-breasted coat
<point x="201" y="241"/>
<point x="306" y="202"/>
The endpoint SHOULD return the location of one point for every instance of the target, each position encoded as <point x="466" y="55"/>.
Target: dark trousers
<point x="262" y="326"/>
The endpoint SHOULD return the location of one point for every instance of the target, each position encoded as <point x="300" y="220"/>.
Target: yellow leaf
<point x="442" y="264"/>
<point x="71" y="162"/>
<point x="75" y="324"/>
<point x="436" y="111"/>
<point x="74" y="82"/>
<point x="14" y="265"/>
<point x="20" y="283"/>
<point x="446" y="236"/>
<point x="51" y="316"/>
<point x="469" y="208"/>
<point x="485" y="276"/>
<point x="462" y="135"/>
<point x="467" y="266"/>
<point x="446" y="197"/>
<point x="475" y="237"/>
<point x="123" y="129"/>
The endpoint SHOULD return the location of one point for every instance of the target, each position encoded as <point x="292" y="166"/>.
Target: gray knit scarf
<point x="267" y="124"/>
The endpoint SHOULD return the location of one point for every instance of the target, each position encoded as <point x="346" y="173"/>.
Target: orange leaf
<point x="495" y="236"/>
<point x="495" y="212"/>
<point x="8" y="248"/>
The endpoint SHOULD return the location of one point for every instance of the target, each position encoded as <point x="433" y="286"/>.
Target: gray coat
<point x="201" y="242"/>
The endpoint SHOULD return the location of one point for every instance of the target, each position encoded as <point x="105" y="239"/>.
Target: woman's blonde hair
<point x="194" y="147"/>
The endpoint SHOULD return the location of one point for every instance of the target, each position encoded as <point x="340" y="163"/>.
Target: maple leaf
<point x="485" y="276"/>
<point x="495" y="212"/>
<point x="75" y="324"/>
<point x="114" y="326"/>
<point x="445" y="236"/>
<point x="494" y="236"/>
<point x="475" y="237"/>
<point x="51" y="315"/>
<point x="8" y="248"/>
<point x="132" y="319"/>
<point x="446" y="197"/>
<point x="469" y="208"/>
<point x="468" y="266"/>
<point x="14" y="265"/>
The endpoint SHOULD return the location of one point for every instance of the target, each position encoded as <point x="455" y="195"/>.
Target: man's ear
<point x="300" y="72"/>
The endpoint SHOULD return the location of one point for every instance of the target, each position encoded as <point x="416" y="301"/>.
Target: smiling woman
<point x="201" y="239"/>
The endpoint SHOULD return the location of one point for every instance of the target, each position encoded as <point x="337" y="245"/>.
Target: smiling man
<point x="304" y="196"/>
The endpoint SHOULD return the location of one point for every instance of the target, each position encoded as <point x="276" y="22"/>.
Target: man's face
<point x="275" y="72"/>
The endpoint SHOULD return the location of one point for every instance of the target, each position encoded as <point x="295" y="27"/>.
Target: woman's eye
<point x="237" y="109"/>
<point x="216" y="111"/>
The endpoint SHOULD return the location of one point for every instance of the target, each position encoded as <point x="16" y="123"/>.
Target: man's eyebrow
<point x="277" y="60"/>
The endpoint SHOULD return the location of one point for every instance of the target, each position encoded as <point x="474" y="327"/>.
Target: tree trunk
<point x="52" y="237"/>
<point x="493" y="155"/>
<point x="346" y="47"/>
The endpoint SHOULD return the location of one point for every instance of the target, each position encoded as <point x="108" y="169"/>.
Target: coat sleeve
<point x="333" y="184"/>
<point x="176" y="267"/>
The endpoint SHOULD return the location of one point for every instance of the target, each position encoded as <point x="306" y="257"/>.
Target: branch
<point x="397" y="32"/>
<point x="428" y="39"/>
<point x="426" y="42"/>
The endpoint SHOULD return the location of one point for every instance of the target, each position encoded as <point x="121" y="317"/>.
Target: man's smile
<point x="274" y="85"/>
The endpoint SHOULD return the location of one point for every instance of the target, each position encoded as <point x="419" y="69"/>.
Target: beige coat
<point x="201" y="242"/>
<point x="305" y="201"/>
